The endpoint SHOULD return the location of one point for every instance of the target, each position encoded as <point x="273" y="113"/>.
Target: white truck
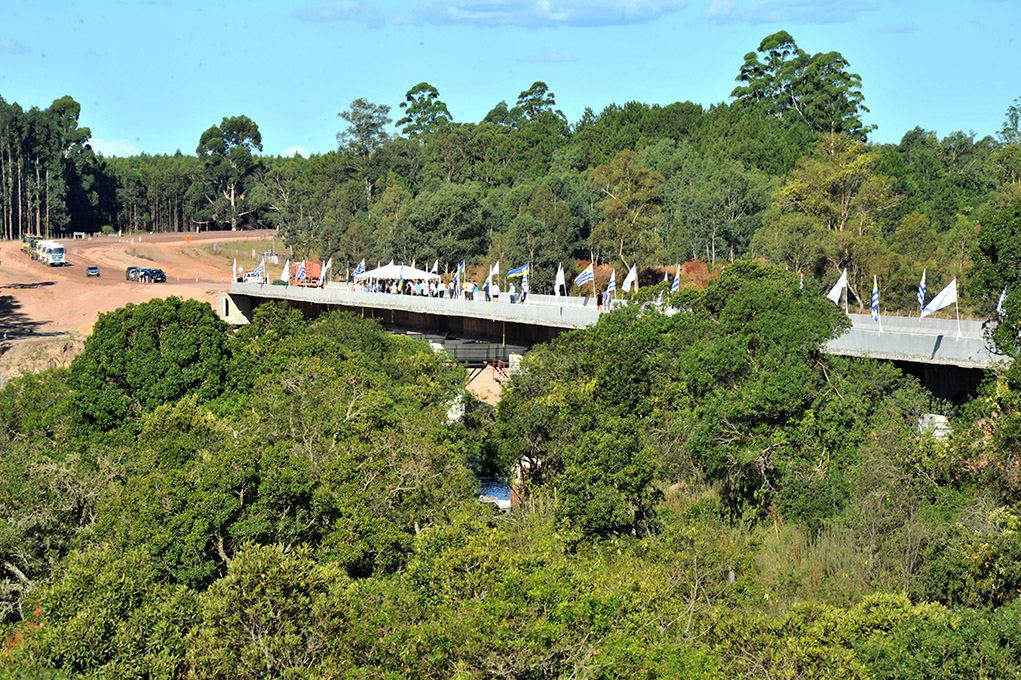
<point x="51" y="253"/>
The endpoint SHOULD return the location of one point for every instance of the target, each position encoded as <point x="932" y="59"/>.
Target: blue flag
<point x="520" y="271"/>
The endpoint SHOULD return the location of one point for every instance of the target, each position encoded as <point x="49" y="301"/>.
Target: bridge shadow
<point x="26" y="286"/>
<point x="13" y="322"/>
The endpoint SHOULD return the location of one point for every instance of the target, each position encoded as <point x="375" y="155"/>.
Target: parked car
<point x="132" y="273"/>
<point x="92" y="270"/>
<point x="152" y="275"/>
<point x="252" y="277"/>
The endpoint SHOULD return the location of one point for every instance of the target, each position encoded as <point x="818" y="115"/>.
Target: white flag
<point x="999" y="303"/>
<point x="286" y="275"/>
<point x="234" y="271"/>
<point x="631" y="279"/>
<point x="495" y="271"/>
<point x="329" y="264"/>
<point x="436" y="266"/>
<point x="945" y="297"/>
<point x="560" y="281"/>
<point x="839" y="286"/>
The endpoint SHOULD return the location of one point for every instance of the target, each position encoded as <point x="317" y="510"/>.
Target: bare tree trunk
<point x="21" y="220"/>
<point x="38" y="201"/>
<point x="6" y="195"/>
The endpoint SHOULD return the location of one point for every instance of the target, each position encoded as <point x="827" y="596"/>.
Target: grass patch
<point x="133" y="252"/>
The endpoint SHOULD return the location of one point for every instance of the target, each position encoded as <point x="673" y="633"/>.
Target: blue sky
<point x="152" y="75"/>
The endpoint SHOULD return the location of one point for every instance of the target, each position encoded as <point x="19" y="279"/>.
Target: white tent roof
<point x="397" y="271"/>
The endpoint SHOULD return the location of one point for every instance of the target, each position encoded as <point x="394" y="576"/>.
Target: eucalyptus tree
<point x="631" y="206"/>
<point x="365" y="134"/>
<point x="816" y="89"/>
<point x="230" y="171"/>
<point x="424" y="112"/>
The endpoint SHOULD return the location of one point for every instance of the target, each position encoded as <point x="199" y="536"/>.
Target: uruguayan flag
<point x="587" y="274"/>
<point x="360" y="269"/>
<point x="875" y="299"/>
<point x="921" y="292"/>
<point x="676" y="285"/>
<point x="301" y="271"/>
<point x="260" y="271"/>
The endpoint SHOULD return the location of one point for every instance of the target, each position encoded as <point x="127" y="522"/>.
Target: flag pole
<point x="957" y="308"/>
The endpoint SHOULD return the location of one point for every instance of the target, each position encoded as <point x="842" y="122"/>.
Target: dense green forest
<point x="708" y="495"/>
<point x="784" y="172"/>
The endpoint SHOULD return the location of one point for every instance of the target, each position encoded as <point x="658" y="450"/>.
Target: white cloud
<point x="543" y="13"/>
<point x="12" y="47"/>
<point x="292" y="151"/>
<point x="115" y="147"/>
<point x="343" y="10"/>
<point x="550" y="55"/>
<point x="786" y="11"/>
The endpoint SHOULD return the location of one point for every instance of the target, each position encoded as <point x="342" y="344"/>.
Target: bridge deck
<point x="926" y="341"/>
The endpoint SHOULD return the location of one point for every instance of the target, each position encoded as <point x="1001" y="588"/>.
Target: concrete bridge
<point x="948" y="357"/>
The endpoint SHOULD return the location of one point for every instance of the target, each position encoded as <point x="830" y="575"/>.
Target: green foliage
<point x="274" y="614"/>
<point x="142" y="356"/>
<point x="365" y="132"/>
<point x="105" y="615"/>
<point x="606" y="486"/>
<point x="631" y="206"/>
<point x="424" y="112"/>
<point x="998" y="266"/>
<point x="816" y="89"/>
<point x="230" y="168"/>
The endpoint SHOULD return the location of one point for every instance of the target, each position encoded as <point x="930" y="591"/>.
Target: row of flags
<point x="587" y="275"/>
<point x="285" y="276"/>
<point x="945" y="298"/>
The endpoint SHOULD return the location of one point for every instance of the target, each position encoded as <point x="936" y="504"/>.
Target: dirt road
<point x="46" y="312"/>
<point x="38" y="302"/>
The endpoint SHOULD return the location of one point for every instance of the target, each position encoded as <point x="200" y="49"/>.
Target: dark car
<point x="92" y="270"/>
<point x="152" y="275"/>
<point x="132" y="273"/>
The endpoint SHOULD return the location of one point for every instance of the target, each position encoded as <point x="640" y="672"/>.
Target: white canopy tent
<point x="397" y="271"/>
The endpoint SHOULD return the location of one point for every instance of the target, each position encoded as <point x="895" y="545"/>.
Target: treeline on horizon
<point x="784" y="172"/>
<point x="708" y="495"/>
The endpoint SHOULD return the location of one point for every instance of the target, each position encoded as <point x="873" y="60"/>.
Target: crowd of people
<point x="437" y="289"/>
